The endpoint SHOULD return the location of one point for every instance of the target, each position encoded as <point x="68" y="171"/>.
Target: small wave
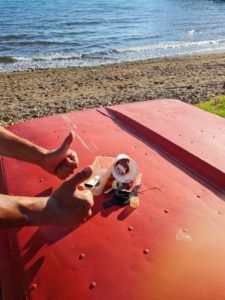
<point x="50" y="57"/>
<point x="190" y="32"/>
<point x="7" y="59"/>
<point x="170" y="45"/>
<point x="34" y="43"/>
<point x="22" y="36"/>
<point x="57" y="57"/>
<point x="42" y="43"/>
<point x="9" y="37"/>
<point x="82" y="23"/>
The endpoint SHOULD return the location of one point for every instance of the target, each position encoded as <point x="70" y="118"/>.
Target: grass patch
<point x="215" y="106"/>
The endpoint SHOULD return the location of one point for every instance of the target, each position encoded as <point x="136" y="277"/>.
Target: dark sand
<point x="37" y="93"/>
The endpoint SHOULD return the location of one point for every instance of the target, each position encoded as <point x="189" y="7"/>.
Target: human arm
<point x="61" y="161"/>
<point x="66" y="206"/>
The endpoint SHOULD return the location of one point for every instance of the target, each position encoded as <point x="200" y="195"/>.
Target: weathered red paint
<point x="171" y="247"/>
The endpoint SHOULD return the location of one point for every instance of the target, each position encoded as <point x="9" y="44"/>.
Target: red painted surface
<point x="171" y="247"/>
<point x="188" y="134"/>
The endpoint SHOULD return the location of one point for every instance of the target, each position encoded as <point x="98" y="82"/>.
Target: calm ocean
<point x="62" y="33"/>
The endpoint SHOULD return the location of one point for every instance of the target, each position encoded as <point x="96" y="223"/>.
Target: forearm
<point x="22" y="211"/>
<point x="19" y="148"/>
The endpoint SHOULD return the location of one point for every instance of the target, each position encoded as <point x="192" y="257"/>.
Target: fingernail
<point x="87" y="170"/>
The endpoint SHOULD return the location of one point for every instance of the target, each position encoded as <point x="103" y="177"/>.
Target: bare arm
<point x="60" y="161"/>
<point x="65" y="206"/>
<point x="19" y="148"/>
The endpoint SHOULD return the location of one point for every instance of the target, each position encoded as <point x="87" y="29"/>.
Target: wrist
<point x="40" y="157"/>
<point x="33" y="210"/>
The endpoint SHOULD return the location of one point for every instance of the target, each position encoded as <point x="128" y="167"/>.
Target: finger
<point x="62" y="150"/>
<point x="88" y="198"/>
<point x="72" y="155"/>
<point x="79" y="177"/>
<point x="61" y="174"/>
<point x="63" y="170"/>
<point x="71" y="163"/>
<point x="65" y="167"/>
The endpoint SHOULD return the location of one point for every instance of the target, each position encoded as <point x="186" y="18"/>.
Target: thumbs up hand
<point x="68" y="205"/>
<point x="61" y="161"/>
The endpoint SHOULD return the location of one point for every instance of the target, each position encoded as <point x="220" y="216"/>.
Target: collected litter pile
<point x="118" y="177"/>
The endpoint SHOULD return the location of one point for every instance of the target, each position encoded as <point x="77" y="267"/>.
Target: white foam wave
<point x="48" y="57"/>
<point x="172" y="45"/>
<point x="164" y="49"/>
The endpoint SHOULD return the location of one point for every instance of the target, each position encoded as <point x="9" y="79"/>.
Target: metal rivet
<point x="82" y="256"/>
<point x="166" y="211"/>
<point x="92" y="285"/>
<point x="33" y="287"/>
<point x="130" y="228"/>
<point x="146" y="251"/>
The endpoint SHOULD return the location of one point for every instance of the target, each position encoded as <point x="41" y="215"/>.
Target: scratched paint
<point x="73" y="126"/>
<point x="182" y="235"/>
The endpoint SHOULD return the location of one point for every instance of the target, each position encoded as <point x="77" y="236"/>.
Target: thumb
<point x="79" y="177"/>
<point x="66" y="144"/>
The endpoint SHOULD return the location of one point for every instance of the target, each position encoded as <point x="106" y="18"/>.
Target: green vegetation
<point x="215" y="106"/>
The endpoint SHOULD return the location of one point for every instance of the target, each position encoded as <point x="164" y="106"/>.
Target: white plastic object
<point x="93" y="182"/>
<point x="119" y="173"/>
<point x="102" y="167"/>
<point x="134" y="201"/>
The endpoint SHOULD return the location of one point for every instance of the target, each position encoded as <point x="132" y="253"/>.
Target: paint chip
<point x="181" y="235"/>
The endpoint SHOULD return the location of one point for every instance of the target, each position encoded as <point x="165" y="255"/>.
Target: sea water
<point x="64" y="33"/>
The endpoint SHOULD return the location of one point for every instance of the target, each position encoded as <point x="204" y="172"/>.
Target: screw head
<point x="82" y="256"/>
<point x="92" y="285"/>
<point x="146" y="251"/>
<point x="33" y="287"/>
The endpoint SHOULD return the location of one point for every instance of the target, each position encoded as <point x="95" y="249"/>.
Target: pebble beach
<point x="38" y="93"/>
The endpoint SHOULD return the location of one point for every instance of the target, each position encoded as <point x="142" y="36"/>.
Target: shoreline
<point x="43" y="92"/>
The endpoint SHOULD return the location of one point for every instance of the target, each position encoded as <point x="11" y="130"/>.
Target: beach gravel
<point x="37" y="93"/>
